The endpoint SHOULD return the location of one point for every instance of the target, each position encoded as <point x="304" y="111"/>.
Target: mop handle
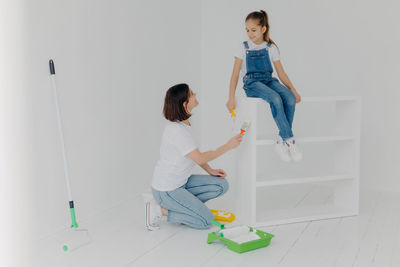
<point x="60" y="128"/>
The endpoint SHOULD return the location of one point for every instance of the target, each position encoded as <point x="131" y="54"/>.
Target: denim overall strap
<point x="258" y="64"/>
<point x="246" y="45"/>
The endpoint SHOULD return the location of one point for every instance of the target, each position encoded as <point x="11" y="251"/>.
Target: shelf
<point x="293" y="215"/>
<point x="328" y="98"/>
<point x="267" y="142"/>
<point x="328" y="178"/>
<point x="325" y="184"/>
<point x="314" y="99"/>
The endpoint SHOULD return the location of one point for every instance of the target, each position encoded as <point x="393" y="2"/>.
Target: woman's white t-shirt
<point x="241" y="53"/>
<point x="174" y="168"/>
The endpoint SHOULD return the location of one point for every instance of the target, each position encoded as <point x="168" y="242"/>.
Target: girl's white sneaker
<point x="282" y="149"/>
<point x="294" y="150"/>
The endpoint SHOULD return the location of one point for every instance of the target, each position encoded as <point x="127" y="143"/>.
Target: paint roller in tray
<point x="240" y="238"/>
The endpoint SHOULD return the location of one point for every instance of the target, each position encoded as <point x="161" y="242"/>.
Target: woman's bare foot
<point x="164" y="212"/>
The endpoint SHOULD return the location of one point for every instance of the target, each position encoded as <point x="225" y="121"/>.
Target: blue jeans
<point x="282" y="102"/>
<point x="186" y="203"/>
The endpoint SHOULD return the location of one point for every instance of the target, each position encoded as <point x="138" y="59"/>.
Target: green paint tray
<point x="240" y="238"/>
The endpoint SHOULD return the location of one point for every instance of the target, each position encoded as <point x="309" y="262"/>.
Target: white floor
<point x="120" y="239"/>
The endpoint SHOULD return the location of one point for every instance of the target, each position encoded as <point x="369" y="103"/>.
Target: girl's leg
<point x="184" y="207"/>
<point x="289" y="102"/>
<point x="206" y="187"/>
<point x="258" y="89"/>
<point x="288" y="98"/>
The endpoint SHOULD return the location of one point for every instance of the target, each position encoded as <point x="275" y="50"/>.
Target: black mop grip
<point x="71" y="204"/>
<point x="52" y="69"/>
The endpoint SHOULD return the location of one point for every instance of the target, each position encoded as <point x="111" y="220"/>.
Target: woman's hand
<point x="231" y="104"/>
<point x="217" y="172"/>
<point x="234" y="141"/>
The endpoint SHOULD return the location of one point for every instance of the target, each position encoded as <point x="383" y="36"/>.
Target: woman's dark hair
<point x="262" y="18"/>
<point x="176" y="96"/>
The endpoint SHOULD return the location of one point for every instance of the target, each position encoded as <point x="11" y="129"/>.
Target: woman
<point x="178" y="194"/>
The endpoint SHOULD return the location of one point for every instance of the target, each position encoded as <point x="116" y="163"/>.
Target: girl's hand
<point x="231" y="104"/>
<point x="217" y="172"/>
<point x="234" y="141"/>
<point x="298" y="97"/>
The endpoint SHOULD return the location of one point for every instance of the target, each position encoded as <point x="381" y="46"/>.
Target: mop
<point x="76" y="237"/>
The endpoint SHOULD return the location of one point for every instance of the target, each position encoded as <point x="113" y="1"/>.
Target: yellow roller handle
<point x="233" y="113"/>
<point x="223" y="216"/>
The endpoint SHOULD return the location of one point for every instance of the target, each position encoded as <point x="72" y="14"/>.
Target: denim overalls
<point x="258" y="82"/>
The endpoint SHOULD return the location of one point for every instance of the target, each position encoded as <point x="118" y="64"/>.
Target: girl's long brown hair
<point x="262" y="18"/>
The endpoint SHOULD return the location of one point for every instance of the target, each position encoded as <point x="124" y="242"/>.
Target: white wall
<point x="16" y="166"/>
<point x="114" y="61"/>
<point x="327" y="48"/>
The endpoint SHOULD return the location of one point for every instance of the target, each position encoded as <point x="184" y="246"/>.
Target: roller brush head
<point x="245" y="127"/>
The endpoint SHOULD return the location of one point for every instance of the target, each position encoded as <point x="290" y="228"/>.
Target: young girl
<point x="177" y="194"/>
<point x="253" y="61"/>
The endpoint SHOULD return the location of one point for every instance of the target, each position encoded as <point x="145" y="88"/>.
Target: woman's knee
<point x="206" y="220"/>
<point x="221" y="186"/>
<point x="224" y="186"/>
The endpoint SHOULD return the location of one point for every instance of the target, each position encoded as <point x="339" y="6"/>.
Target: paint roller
<point x="76" y="238"/>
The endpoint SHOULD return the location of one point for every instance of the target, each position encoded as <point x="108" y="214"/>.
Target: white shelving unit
<point x="325" y="184"/>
